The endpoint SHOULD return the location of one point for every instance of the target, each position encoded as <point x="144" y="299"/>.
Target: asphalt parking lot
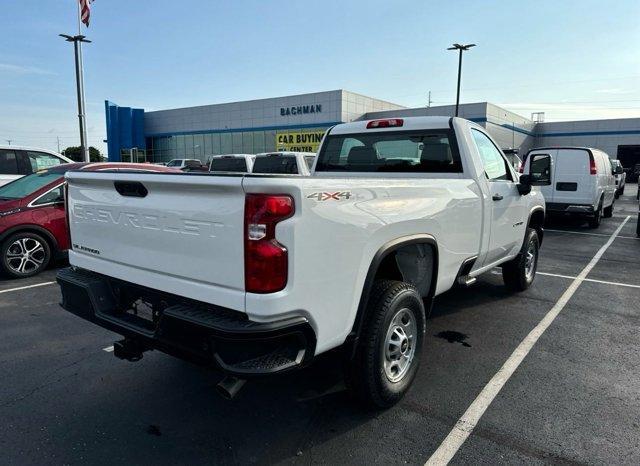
<point x="574" y="399"/>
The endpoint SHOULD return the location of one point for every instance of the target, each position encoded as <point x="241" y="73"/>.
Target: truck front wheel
<point x="389" y="347"/>
<point x="518" y="273"/>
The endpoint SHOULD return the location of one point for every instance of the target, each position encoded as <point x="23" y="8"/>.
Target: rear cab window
<point x="275" y="164"/>
<point x="419" y="151"/>
<point x="228" y="164"/>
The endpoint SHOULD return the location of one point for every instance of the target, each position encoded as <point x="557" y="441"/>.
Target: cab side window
<point x="495" y="165"/>
<point x="42" y="160"/>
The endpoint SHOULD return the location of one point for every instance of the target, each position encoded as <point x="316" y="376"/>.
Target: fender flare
<point x="35" y="229"/>
<point x="541" y="233"/>
<point x="378" y="257"/>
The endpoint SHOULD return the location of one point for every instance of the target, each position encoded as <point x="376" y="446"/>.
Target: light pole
<point x="77" y="48"/>
<point x="461" y="48"/>
<point x="9" y="141"/>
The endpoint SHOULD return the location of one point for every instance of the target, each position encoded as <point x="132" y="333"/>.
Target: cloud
<point x="614" y="90"/>
<point x="19" y="69"/>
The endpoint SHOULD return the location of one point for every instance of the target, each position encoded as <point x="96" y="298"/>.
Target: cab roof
<point x="408" y="124"/>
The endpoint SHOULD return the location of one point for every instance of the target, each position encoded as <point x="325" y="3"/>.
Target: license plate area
<point x="564" y="186"/>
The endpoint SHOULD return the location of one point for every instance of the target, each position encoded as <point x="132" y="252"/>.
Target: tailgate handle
<point x="130" y="188"/>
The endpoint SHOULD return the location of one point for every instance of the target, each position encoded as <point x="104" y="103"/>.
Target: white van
<point x="18" y="161"/>
<point x="582" y="182"/>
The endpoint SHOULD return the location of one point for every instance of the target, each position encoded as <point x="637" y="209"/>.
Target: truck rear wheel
<point x="518" y="273"/>
<point x="389" y="347"/>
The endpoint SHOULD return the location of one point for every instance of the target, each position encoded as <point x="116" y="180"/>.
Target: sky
<point x="573" y="60"/>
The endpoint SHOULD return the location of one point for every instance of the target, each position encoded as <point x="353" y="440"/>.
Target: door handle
<point x="497" y="197"/>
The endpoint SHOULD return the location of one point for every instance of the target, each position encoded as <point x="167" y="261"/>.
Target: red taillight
<point x="592" y="165"/>
<point x="265" y="260"/>
<point x="388" y="123"/>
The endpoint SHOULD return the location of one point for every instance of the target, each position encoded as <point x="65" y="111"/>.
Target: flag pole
<point x="77" y="48"/>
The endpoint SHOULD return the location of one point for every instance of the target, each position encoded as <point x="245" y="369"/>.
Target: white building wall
<point x="605" y="135"/>
<point x="246" y="115"/>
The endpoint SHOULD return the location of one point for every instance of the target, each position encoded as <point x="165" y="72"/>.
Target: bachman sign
<point x="300" y="110"/>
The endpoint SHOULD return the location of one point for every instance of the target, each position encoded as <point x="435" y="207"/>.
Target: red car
<point x="33" y="226"/>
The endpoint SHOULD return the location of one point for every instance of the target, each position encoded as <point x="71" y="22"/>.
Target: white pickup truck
<point x="259" y="274"/>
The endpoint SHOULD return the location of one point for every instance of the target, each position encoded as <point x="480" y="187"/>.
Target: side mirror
<point x="539" y="173"/>
<point x="619" y="170"/>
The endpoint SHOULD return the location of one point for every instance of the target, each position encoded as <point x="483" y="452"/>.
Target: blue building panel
<point x="125" y="129"/>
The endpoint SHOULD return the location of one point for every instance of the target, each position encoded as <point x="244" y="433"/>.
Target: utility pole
<point x="429" y="101"/>
<point x="460" y="48"/>
<point x="58" y="138"/>
<point x="77" y="48"/>
<point x="9" y="141"/>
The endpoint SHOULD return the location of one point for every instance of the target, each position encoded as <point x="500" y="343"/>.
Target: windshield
<point x="28" y="184"/>
<point x="275" y="164"/>
<point x="230" y="164"/>
<point x="402" y="151"/>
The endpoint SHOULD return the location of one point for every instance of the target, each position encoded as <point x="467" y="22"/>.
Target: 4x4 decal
<point x="328" y="196"/>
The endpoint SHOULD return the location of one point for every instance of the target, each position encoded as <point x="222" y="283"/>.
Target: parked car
<point x="182" y="163"/>
<point x="620" y="176"/>
<point x="582" y="184"/>
<point x="194" y="166"/>
<point x="259" y="275"/>
<point x="18" y="161"/>
<point x="634" y="173"/>
<point x="293" y="163"/>
<point x="239" y="163"/>
<point x="33" y="227"/>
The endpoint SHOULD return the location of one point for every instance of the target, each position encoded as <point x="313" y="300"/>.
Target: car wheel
<point x="607" y="212"/>
<point x="24" y="255"/>
<point x="594" y="222"/>
<point x="518" y="274"/>
<point x="621" y="191"/>
<point x="388" y="352"/>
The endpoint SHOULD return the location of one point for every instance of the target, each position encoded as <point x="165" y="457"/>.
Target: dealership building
<point x="298" y="122"/>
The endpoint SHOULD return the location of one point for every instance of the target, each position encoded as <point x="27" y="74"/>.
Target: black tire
<point x="622" y="191"/>
<point x="517" y="274"/>
<point x="367" y="374"/>
<point x="607" y="212"/>
<point x="594" y="222"/>
<point x="15" y="263"/>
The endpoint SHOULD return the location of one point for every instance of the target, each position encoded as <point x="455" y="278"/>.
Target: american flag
<point x="85" y="11"/>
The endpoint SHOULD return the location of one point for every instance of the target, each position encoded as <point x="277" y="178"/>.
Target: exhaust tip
<point x="229" y="387"/>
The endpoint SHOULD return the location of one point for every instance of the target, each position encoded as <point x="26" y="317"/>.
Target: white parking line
<point x="589" y="234"/>
<point x="465" y="425"/>
<point x="108" y="349"/>
<point x="593" y="280"/>
<point x="26" y="287"/>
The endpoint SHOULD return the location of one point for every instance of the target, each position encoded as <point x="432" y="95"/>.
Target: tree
<point x="74" y="153"/>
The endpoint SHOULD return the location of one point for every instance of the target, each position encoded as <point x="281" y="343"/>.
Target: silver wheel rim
<point x="25" y="255"/>
<point x="530" y="261"/>
<point x="399" y="345"/>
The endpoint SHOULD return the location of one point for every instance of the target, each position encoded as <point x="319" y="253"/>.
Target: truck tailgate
<point x="173" y="232"/>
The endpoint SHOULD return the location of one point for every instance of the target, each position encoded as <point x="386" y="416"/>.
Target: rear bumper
<point x="567" y="208"/>
<point x="194" y="331"/>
